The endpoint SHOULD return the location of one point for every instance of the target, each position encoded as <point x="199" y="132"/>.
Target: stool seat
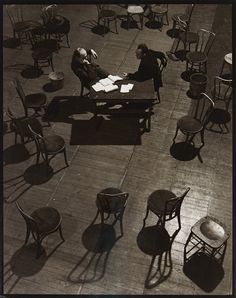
<point x="211" y="231"/>
<point x="157" y="200"/>
<point x="47" y="219"/>
<point x="135" y="9"/>
<point x="228" y="58"/>
<point x="107" y="13"/>
<point x="187" y="123"/>
<point x="53" y="144"/>
<point x="41" y="53"/>
<point x="159" y="9"/>
<point x="196" y="57"/>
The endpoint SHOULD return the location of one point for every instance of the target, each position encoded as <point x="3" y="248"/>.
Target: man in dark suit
<point x="149" y="67"/>
<point x="87" y="71"/>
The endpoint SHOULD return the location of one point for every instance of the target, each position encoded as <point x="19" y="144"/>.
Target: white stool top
<point x="135" y="9"/>
<point x="228" y="58"/>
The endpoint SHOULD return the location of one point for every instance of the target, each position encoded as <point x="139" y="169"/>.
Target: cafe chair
<point x="190" y="126"/>
<point x="159" y="11"/>
<point x="133" y="10"/>
<point x="186" y="17"/>
<point x="35" y="101"/>
<point x="20" y="26"/>
<point x="111" y="201"/>
<point x="197" y="60"/>
<point x="186" y="36"/>
<point x="222" y="96"/>
<point x="208" y="236"/>
<point x="42" y="58"/>
<point x="20" y="126"/>
<point x="166" y="205"/>
<point x="48" y="146"/>
<point x="106" y="15"/>
<point x="41" y="223"/>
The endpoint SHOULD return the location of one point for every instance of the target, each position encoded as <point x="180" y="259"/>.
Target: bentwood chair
<point x="106" y="15"/>
<point x="186" y="17"/>
<point x="133" y="10"/>
<point x="186" y="36"/>
<point x="159" y="11"/>
<point x="190" y="126"/>
<point x="20" y="126"/>
<point x="198" y="59"/>
<point x="166" y="205"/>
<point x="40" y="223"/>
<point x="48" y="146"/>
<point x="111" y="201"/>
<point x="35" y="101"/>
<point x="222" y="96"/>
<point x="20" y="26"/>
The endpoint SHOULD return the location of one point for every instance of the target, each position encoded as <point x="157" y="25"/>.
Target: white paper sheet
<point x="126" y="88"/>
<point x="106" y="82"/>
<point x="114" y="78"/>
<point x="98" y="87"/>
<point x="110" y="88"/>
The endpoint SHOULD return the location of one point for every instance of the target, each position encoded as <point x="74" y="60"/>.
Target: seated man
<point x="149" y="67"/>
<point x="87" y="71"/>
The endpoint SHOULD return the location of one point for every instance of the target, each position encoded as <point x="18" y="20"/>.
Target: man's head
<point x="141" y="50"/>
<point x="81" y="54"/>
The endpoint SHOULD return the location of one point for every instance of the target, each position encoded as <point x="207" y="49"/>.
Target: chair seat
<point x="191" y="37"/>
<point x="35" y="100"/>
<point x="107" y="14"/>
<point x="182" y="16"/>
<point x="41" y="53"/>
<point x="24" y="129"/>
<point x="189" y="124"/>
<point x="159" y="9"/>
<point x="219" y="116"/>
<point x="47" y="219"/>
<point x="157" y="200"/>
<point x="196" y="57"/>
<point x="115" y="204"/>
<point x="135" y="9"/>
<point x="53" y="144"/>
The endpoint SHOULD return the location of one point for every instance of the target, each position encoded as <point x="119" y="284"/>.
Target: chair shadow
<point x="98" y="239"/>
<point x="184" y="151"/>
<point x="15" y="154"/>
<point x="185" y="75"/>
<point x="99" y="30"/>
<point x="62" y="107"/>
<point x="204" y="271"/>
<point x="111" y="131"/>
<point x="49" y="88"/>
<point x="156" y="241"/>
<point x="11" y="43"/>
<point x="153" y="24"/>
<point x="174" y="33"/>
<point x="31" y="72"/>
<point x="133" y="24"/>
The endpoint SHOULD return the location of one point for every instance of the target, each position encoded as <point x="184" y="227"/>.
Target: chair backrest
<point x="40" y="142"/>
<point x="15" y="13"/>
<point x="206" y="106"/>
<point x="189" y="12"/>
<point x="49" y="12"/>
<point x="101" y="7"/>
<point x="205" y="41"/>
<point x="20" y="91"/>
<point x="222" y="90"/>
<point x="173" y="206"/>
<point x="109" y="203"/>
<point x="30" y="222"/>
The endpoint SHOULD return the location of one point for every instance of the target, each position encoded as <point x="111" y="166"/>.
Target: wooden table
<point x="136" y="103"/>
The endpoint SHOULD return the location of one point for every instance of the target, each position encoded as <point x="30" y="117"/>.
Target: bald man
<point x="87" y="71"/>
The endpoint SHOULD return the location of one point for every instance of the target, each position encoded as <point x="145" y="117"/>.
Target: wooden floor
<point x="139" y="169"/>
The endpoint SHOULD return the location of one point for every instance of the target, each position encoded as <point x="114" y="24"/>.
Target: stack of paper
<point x="126" y="88"/>
<point x="107" y="84"/>
<point x="98" y="87"/>
<point x="111" y="88"/>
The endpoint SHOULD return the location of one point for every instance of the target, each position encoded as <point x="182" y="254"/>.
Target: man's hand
<point x="94" y="54"/>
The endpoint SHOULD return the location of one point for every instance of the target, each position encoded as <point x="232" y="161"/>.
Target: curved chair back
<point x="205" y="41"/>
<point x="173" y="206"/>
<point x="205" y="109"/>
<point x="20" y="92"/>
<point x="222" y="91"/>
<point x="40" y="143"/>
<point x="110" y="203"/>
<point x="49" y="12"/>
<point x="30" y="222"/>
<point x="15" y="13"/>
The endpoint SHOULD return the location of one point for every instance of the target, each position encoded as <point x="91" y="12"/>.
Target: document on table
<point x="98" y="87"/>
<point x="110" y="88"/>
<point x="110" y="80"/>
<point x="126" y="88"/>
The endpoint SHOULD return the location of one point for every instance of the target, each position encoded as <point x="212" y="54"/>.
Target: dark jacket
<point x="86" y="72"/>
<point x="149" y="68"/>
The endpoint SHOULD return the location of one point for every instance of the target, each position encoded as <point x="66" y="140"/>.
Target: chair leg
<point x="82" y="90"/>
<point x="141" y="20"/>
<point x="158" y="96"/>
<point x="202" y="138"/>
<point x="167" y="19"/>
<point x="51" y="63"/>
<point x="64" y="151"/>
<point x="144" y="220"/>
<point x="27" y="236"/>
<point x="67" y="40"/>
<point x="176" y="132"/>
<point x="128" y="21"/>
<point x="39" y="248"/>
<point x="179" y="221"/>
<point x="116" y="25"/>
<point x="60" y="232"/>
<point x="121" y="224"/>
